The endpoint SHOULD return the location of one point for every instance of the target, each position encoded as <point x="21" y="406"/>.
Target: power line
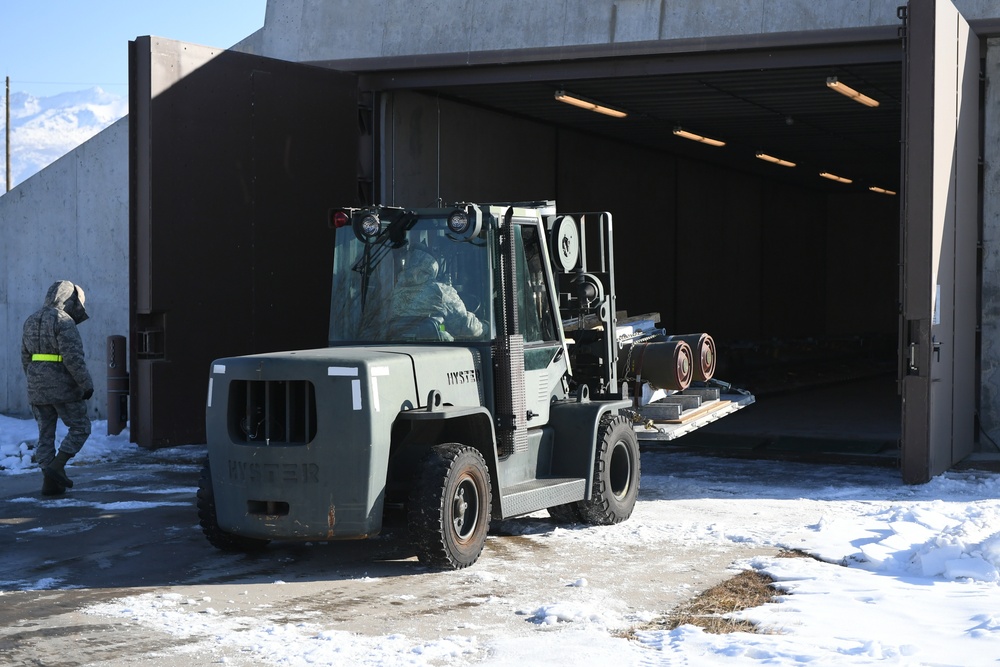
<point x="70" y="83"/>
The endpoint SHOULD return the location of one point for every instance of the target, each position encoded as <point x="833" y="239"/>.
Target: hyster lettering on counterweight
<point x="462" y="377"/>
<point x="243" y="471"/>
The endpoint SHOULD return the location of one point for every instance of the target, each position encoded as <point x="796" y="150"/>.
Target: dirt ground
<point x="131" y="528"/>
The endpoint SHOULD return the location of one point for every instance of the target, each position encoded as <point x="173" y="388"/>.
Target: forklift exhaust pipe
<point x="664" y="364"/>
<point x="117" y="384"/>
<point x="703" y="347"/>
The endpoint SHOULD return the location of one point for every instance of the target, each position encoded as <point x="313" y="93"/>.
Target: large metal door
<point x="234" y="162"/>
<point x="939" y="232"/>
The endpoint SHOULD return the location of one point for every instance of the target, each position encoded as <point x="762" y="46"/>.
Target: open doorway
<point x="794" y="274"/>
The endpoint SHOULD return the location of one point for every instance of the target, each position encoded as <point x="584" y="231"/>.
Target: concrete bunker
<point x="797" y="277"/>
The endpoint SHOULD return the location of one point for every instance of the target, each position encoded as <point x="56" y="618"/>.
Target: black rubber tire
<point x="616" y="474"/>
<point x="209" y="522"/>
<point x="448" y="513"/>
<point x="565" y="514"/>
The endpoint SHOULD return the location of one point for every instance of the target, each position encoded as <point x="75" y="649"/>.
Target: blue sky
<point x="53" y="46"/>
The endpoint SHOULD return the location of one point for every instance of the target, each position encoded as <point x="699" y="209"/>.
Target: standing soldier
<point x="58" y="381"/>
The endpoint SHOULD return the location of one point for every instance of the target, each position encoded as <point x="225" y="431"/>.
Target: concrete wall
<point x="305" y="30"/>
<point x="70" y="221"/>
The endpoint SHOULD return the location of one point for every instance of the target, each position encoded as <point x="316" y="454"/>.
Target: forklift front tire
<point x="616" y="474"/>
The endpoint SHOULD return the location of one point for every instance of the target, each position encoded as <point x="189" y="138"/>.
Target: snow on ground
<point x="17" y="438"/>
<point x="902" y="575"/>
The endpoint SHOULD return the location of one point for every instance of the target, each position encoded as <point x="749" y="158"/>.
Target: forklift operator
<point x="425" y="308"/>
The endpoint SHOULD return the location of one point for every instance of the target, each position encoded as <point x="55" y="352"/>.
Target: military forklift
<point x="520" y="393"/>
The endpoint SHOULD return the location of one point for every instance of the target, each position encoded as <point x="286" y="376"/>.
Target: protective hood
<point x="421" y="267"/>
<point x="65" y="296"/>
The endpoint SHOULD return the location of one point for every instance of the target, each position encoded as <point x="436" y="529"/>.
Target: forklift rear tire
<point x="449" y="507"/>
<point x="565" y="514"/>
<point x="208" y="519"/>
<point x="616" y="474"/>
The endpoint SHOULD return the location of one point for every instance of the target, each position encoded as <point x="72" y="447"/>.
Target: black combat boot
<point x="50" y="487"/>
<point x="56" y="470"/>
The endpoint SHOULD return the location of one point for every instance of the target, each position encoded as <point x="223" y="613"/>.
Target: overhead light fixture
<point x="775" y="160"/>
<point x="680" y="132"/>
<point x="881" y="191"/>
<point x="844" y="89"/>
<point x="834" y="177"/>
<point x="590" y="105"/>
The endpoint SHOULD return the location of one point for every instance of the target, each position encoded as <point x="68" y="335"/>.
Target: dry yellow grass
<point x="709" y="610"/>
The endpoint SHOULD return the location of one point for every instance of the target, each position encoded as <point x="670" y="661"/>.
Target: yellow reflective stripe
<point x="46" y="357"/>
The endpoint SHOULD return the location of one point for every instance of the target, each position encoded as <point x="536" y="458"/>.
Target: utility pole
<point x="6" y="104"/>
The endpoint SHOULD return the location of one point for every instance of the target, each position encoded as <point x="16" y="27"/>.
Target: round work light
<point x="370" y="225"/>
<point x="458" y="222"/>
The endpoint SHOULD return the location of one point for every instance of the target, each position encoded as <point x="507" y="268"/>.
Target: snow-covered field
<point x="903" y="575"/>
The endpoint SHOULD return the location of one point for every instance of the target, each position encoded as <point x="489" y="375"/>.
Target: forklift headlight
<point x="465" y="223"/>
<point x="370" y="225"/>
<point x="458" y="222"/>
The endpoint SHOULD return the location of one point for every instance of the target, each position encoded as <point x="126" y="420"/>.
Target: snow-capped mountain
<point x="44" y="129"/>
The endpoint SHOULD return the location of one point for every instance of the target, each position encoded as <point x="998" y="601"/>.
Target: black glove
<point x="87" y="394"/>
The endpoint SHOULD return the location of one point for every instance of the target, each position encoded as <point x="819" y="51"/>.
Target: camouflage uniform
<point x="418" y="296"/>
<point x="57" y="388"/>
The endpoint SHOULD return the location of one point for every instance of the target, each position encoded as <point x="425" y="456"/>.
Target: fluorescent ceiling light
<point x="775" y="160"/>
<point x="834" y="177"/>
<point x="844" y="89"/>
<point x="590" y="105"/>
<point x="881" y="191"/>
<point x="697" y="137"/>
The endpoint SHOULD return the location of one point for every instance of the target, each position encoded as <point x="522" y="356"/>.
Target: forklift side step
<point x="538" y="494"/>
